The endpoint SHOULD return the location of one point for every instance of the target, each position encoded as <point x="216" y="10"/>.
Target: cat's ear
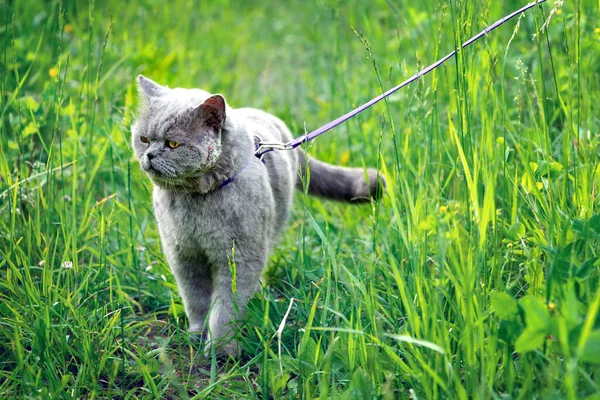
<point x="148" y="88"/>
<point x="212" y="112"/>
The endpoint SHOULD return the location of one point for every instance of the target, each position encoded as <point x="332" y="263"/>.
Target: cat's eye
<point x="173" y="144"/>
<point x="144" y="139"/>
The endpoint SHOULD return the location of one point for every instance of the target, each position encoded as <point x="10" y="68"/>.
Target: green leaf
<point x="516" y="231"/>
<point x="418" y="342"/>
<point x="30" y="129"/>
<point x="541" y="169"/>
<point x="570" y="310"/>
<point x="527" y="182"/>
<point x="429" y="223"/>
<point x="277" y="381"/>
<point x="509" y="330"/>
<point x="578" y="226"/>
<point x="593" y="224"/>
<point x="361" y="386"/>
<point x="572" y="249"/>
<point x="504" y="305"/>
<point x="545" y="169"/>
<point x="530" y="340"/>
<point x="564" y="266"/>
<point x="509" y="154"/>
<point x="561" y="269"/>
<point x="555" y="169"/>
<point x="534" y="166"/>
<point x="311" y="354"/>
<point x="585" y="269"/>
<point x="587" y="229"/>
<point x="536" y="313"/>
<point x="591" y="350"/>
<point x="30" y="103"/>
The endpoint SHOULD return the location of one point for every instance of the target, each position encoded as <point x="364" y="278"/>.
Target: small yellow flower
<point x="509" y="245"/>
<point x="551" y="307"/>
<point x="443" y="210"/>
<point x="597" y="31"/>
<point x="344" y="158"/>
<point x="68" y="28"/>
<point x="53" y="72"/>
<point x="558" y="12"/>
<point x="539" y="185"/>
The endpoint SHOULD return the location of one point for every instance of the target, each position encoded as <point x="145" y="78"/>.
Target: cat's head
<point x="177" y="134"/>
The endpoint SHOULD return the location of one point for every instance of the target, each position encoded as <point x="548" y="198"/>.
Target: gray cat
<point x="218" y="207"/>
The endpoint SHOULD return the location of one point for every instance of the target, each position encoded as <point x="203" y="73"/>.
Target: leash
<point x="265" y="147"/>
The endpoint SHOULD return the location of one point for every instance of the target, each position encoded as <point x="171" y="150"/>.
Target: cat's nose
<point x="150" y="156"/>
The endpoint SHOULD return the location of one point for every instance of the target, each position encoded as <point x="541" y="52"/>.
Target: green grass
<point x="477" y="275"/>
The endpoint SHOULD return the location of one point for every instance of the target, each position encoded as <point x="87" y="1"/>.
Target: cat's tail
<point x="339" y="183"/>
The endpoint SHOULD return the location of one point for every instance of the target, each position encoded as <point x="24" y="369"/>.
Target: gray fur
<point x="199" y="223"/>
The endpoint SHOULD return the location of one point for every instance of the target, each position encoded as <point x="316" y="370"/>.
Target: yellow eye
<point x="145" y="139"/>
<point x="173" y="144"/>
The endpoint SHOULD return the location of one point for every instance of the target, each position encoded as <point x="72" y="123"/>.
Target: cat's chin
<point x="161" y="180"/>
<point x="194" y="182"/>
<point x="188" y="185"/>
<point x="167" y="183"/>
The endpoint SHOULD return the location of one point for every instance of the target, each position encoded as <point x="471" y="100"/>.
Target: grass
<point x="477" y="275"/>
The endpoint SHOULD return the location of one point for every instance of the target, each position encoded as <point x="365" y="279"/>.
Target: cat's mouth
<point x="157" y="170"/>
<point x="152" y="171"/>
<point x="162" y="175"/>
<point x="158" y="175"/>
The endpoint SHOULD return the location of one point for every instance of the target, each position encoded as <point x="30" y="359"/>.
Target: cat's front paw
<point x="222" y="350"/>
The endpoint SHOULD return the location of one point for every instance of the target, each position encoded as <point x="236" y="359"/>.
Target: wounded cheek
<point x="212" y="154"/>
